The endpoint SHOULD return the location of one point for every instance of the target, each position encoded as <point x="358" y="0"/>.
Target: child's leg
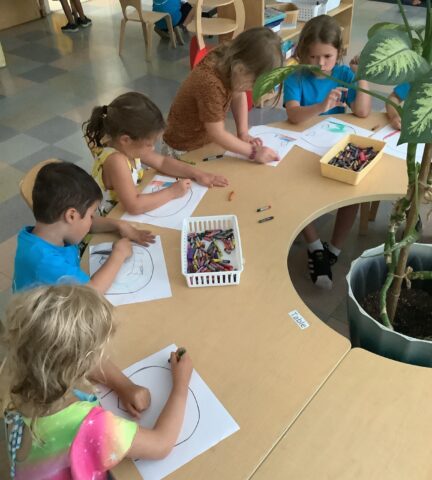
<point x="318" y="258"/>
<point x="67" y="11"/>
<point x="77" y="5"/>
<point x="187" y="14"/>
<point x="344" y="221"/>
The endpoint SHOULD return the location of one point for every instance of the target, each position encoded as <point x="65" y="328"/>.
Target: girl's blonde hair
<point x="55" y="335"/>
<point x="322" y="29"/>
<point x="257" y="49"/>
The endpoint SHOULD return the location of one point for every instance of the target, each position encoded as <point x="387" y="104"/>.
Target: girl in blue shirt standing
<point x="306" y="95"/>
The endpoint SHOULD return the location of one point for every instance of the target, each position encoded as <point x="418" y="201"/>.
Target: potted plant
<point x="394" y="54"/>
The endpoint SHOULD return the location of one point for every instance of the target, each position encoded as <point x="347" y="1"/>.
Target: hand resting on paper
<point x="135" y="399"/>
<point x="250" y="139"/>
<point x="210" y="180"/>
<point x="142" y="237"/>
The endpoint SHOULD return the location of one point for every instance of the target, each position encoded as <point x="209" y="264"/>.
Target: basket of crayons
<point x="211" y="253"/>
<point x="351" y="159"/>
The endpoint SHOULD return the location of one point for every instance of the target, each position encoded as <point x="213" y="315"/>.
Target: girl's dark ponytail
<point x="94" y="129"/>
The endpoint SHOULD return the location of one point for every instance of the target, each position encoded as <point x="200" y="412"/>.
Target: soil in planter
<point x="413" y="315"/>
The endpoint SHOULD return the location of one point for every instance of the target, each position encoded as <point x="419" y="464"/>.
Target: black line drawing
<point x="187" y="198"/>
<point x="135" y="274"/>
<point x="194" y="427"/>
<point x="326" y="128"/>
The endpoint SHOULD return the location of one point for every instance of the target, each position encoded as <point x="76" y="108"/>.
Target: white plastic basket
<point x="212" y="279"/>
<point x="309" y="9"/>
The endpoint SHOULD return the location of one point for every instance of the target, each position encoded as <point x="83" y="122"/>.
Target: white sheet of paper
<point x="278" y="139"/>
<point x="171" y="214"/>
<point x="206" y="421"/>
<point x="142" y="277"/>
<point x="322" y="136"/>
<point x="391" y="136"/>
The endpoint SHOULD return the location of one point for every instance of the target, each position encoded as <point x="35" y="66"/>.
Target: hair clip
<point x="104" y="111"/>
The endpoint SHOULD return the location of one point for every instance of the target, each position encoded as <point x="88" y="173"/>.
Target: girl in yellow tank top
<point x="122" y="137"/>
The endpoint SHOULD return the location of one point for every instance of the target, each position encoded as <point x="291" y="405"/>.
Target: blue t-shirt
<point x="38" y="262"/>
<point x="308" y="89"/>
<point x="168" y="6"/>
<point x="402" y="91"/>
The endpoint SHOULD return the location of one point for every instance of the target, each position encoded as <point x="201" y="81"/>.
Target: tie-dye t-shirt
<point x="83" y="441"/>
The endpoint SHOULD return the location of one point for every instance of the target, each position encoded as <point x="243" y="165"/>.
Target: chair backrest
<point x="131" y="3"/>
<point x="27" y="183"/>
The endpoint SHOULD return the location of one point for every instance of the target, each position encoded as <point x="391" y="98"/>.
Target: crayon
<point x="263" y="209"/>
<point x="180" y="352"/>
<point x="266" y="219"/>
<point x="212" y="157"/>
<point x="231" y="196"/>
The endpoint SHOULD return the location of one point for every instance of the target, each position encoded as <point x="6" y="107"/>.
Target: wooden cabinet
<point x="16" y="12"/>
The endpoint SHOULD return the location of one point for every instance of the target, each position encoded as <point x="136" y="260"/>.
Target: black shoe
<point x="70" y="28"/>
<point x="84" y="22"/>
<point x="162" y="33"/>
<point x="320" y="269"/>
<point x="331" y="256"/>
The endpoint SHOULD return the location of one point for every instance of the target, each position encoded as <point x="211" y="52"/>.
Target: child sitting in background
<point x="180" y="11"/>
<point x="399" y="95"/>
<point x="56" y="337"/>
<point x="218" y="82"/>
<point x="307" y="95"/>
<point x="65" y="199"/>
<point x="122" y="137"/>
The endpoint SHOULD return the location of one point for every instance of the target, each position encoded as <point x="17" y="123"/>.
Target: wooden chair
<point x="368" y="213"/>
<point x="26" y="184"/>
<point x="148" y="21"/>
<point x="218" y="25"/>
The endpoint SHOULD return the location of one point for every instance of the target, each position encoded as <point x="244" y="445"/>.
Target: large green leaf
<point x="268" y="81"/>
<point x="392" y="26"/>
<point x="387" y="59"/>
<point x="417" y="113"/>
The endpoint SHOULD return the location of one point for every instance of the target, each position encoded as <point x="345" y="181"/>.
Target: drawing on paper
<point x="278" y="140"/>
<point x="148" y="377"/>
<point x="327" y="133"/>
<point x="135" y="273"/>
<point x="170" y="208"/>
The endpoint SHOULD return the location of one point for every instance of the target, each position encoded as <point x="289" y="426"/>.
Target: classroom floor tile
<point x="14" y="215"/>
<point x="9" y="179"/>
<point x="19" y="147"/>
<point x="43" y="73"/>
<point x="51" y="151"/>
<point x="6" y="133"/>
<point x="75" y="144"/>
<point x="38" y="52"/>
<point x="54" y="129"/>
<point x="7" y="255"/>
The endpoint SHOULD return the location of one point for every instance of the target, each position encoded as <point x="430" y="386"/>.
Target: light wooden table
<point x="371" y="420"/>
<point x="258" y="362"/>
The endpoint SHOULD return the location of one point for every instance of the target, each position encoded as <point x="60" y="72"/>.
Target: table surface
<point x="258" y="362"/>
<point x="370" y="420"/>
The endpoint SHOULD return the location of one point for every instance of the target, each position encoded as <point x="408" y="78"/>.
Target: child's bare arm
<point x="124" y="229"/>
<point x="133" y="397"/>
<point x="392" y="113"/>
<point x="239" y="109"/>
<point x="361" y="106"/>
<point x="175" y="168"/>
<point x="230" y="142"/>
<point x="158" y="442"/>
<point x="104" y="277"/>
<point x="118" y="177"/>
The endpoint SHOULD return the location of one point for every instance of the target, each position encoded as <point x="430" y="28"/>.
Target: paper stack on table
<point x="278" y="139"/>
<point x="206" y="420"/>
<point x="325" y="134"/>
<point x="391" y="136"/>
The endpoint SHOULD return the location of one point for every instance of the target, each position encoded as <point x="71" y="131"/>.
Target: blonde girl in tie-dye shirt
<point x="57" y="337"/>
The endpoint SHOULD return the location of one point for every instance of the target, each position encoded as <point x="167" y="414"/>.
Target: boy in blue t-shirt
<point x="399" y="95"/>
<point x="65" y="199"/>
<point x="180" y="12"/>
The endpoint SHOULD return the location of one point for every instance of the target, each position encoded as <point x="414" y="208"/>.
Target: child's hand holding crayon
<point x="135" y="399"/>
<point x="181" y="368"/>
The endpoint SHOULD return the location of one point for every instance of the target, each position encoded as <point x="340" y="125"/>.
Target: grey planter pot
<point x="367" y="275"/>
